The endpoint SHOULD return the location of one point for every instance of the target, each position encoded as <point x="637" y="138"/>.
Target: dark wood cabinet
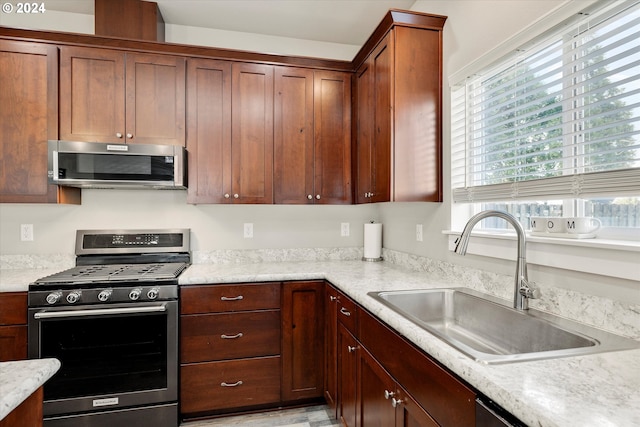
<point x="251" y="134"/>
<point x="209" y="130"/>
<point x="302" y="340"/>
<point x="331" y="347"/>
<point x="117" y="97"/>
<point x="399" y="114"/>
<point x="229" y="347"/>
<point x="312" y="136"/>
<point x="348" y="353"/>
<point x="28" y="413"/>
<point x="29" y="111"/>
<point x="13" y="326"/>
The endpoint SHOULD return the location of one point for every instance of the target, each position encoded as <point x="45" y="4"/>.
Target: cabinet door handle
<point x="226" y="195"/>
<point x="317" y="196"/>
<point x="395" y="402"/>
<point x="236" y="384"/>
<point x="238" y="298"/>
<point x="388" y="394"/>
<point x="129" y="135"/>
<point x="118" y="135"/>
<point x="351" y="348"/>
<point x="231" y="337"/>
<point x="235" y="196"/>
<point x="345" y="311"/>
<point x="309" y="196"/>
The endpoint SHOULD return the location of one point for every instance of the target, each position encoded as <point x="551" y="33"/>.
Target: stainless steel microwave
<point x="103" y="165"/>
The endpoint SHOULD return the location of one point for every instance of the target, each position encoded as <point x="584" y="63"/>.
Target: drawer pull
<point x="351" y="349"/>
<point x="231" y="337"/>
<point x="238" y="298"/>
<point x="236" y="384"/>
<point x="345" y="311"/>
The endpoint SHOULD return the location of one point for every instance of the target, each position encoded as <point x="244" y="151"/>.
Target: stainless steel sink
<point x="483" y="328"/>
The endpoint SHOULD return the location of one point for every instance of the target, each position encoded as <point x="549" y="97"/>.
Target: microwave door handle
<point x="44" y="314"/>
<point x="55" y="172"/>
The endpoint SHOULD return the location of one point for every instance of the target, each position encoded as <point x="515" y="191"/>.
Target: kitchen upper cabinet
<point x="209" y="130"/>
<point x="29" y="111"/>
<point x="332" y="137"/>
<point x="302" y="340"/>
<point x="117" y="97"/>
<point x="251" y="134"/>
<point x="399" y="115"/>
<point x="312" y="138"/>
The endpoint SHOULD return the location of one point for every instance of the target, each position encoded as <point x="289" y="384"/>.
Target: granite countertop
<point x="588" y="391"/>
<point x="20" y="379"/>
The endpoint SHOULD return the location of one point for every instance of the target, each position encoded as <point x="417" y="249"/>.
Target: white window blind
<point x="559" y="118"/>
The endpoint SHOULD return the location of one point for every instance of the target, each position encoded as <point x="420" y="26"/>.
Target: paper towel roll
<point x="372" y="242"/>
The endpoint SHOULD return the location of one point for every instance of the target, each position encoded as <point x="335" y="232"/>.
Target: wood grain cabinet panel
<point x="252" y="133"/>
<point x="111" y="96"/>
<point x="331" y="347"/>
<point x="302" y="340"/>
<point x="312" y="137"/>
<point x="209" y="130"/>
<point x="13" y="326"/>
<point x="219" y="336"/>
<point x="226" y="298"/>
<point x="224" y="385"/>
<point x="399" y="116"/>
<point x="29" y="112"/>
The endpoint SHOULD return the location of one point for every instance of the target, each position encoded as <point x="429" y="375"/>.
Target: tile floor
<point x="311" y="416"/>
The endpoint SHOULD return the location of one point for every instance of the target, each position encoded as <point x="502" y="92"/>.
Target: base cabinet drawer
<point x="211" y="337"/>
<point x="207" y="387"/>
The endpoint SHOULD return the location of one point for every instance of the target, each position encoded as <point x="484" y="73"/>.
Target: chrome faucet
<point x="523" y="288"/>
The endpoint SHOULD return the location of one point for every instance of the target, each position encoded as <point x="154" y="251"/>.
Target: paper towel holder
<point x="377" y="241"/>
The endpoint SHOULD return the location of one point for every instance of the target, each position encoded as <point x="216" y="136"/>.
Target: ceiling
<point x="337" y="21"/>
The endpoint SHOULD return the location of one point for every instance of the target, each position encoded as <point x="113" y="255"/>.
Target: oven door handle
<point x="100" y="312"/>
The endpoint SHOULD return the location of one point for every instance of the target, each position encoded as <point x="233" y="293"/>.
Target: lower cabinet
<point x="249" y="346"/>
<point x="383" y="380"/>
<point x="13" y="326"/>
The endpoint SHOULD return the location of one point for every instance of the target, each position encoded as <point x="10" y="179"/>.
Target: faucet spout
<point x="523" y="289"/>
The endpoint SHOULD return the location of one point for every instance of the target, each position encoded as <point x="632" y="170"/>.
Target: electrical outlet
<point x="344" y="229"/>
<point x="419" y="237"/>
<point x="248" y="230"/>
<point x="26" y="232"/>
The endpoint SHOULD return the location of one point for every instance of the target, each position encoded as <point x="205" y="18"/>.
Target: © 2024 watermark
<point x="23" y="8"/>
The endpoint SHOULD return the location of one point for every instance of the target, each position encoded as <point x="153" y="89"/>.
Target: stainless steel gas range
<point x="113" y="323"/>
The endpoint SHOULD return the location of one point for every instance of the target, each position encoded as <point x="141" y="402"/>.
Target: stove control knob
<point x="105" y="295"/>
<point x="54" y="297"/>
<point x="134" y="295"/>
<point x="73" y="297"/>
<point x="153" y="293"/>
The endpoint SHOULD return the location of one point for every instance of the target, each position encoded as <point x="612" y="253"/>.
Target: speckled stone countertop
<point x="587" y="391"/>
<point x="20" y="379"/>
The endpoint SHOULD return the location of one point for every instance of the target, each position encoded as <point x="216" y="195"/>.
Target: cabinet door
<point x="155" y="99"/>
<point x="376" y="389"/>
<point x="302" y="340"/>
<point x="293" y="136"/>
<point x="347" y="377"/>
<point x="13" y="326"/>
<point x="417" y="115"/>
<point x="364" y="132"/>
<point x="209" y="131"/>
<point x="252" y="133"/>
<point x="383" y="76"/>
<point x="331" y="347"/>
<point x="92" y="87"/>
<point x="29" y="112"/>
<point x="409" y="413"/>
<point x="332" y="137"/>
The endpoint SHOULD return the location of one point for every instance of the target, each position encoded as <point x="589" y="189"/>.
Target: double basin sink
<point x="488" y="331"/>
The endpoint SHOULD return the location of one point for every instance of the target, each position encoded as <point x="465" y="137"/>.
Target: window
<point x="554" y="128"/>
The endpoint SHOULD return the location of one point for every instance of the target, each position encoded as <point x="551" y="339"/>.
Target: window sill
<point x="615" y="258"/>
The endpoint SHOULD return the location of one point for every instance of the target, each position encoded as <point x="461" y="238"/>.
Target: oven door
<point x="113" y="357"/>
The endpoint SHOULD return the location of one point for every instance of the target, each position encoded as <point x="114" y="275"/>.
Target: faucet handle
<point x="529" y="289"/>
